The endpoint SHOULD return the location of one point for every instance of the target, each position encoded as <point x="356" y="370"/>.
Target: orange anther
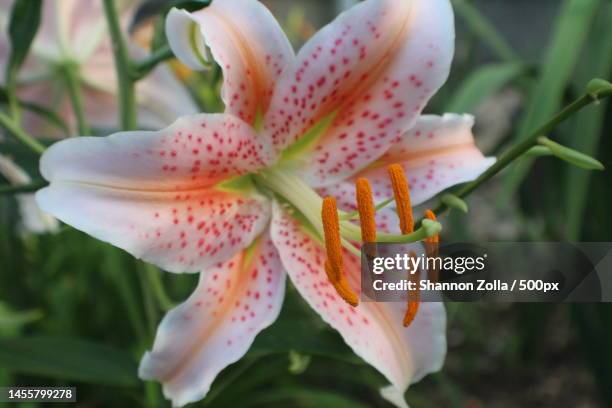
<point x="411" y="312"/>
<point x="331" y="229"/>
<point x="401" y="191"/>
<point x="367" y="210"/>
<point x="333" y="245"/>
<point x="342" y="287"/>
<point x="413" y="297"/>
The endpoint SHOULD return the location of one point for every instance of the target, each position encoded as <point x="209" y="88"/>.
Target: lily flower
<point x="238" y="196"/>
<point x="75" y="32"/>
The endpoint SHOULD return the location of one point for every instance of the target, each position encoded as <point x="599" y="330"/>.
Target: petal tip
<point x="188" y="48"/>
<point x="394" y="395"/>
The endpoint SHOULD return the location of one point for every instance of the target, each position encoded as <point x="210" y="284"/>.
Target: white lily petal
<point x="394" y="396"/>
<point x="247" y="43"/>
<point x="233" y="302"/>
<point x="373" y="330"/>
<point x="371" y="72"/>
<point x="437" y="153"/>
<point x="152" y="193"/>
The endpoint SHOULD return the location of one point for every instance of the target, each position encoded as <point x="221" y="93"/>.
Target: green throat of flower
<point x="307" y="206"/>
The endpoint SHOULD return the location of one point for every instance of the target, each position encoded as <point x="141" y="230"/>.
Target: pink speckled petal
<point x="436" y="154"/>
<point x="247" y="43"/>
<point x="152" y="194"/>
<point x="194" y="152"/>
<point x="233" y="302"/>
<point x="179" y="232"/>
<point x="373" y="330"/>
<point x="374" y="68"/>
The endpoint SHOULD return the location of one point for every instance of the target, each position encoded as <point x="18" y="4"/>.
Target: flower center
<point x="338" y="231"/>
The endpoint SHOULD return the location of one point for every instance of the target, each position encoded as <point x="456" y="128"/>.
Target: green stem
<point x="156" y="285"/>
<point x="14" y="129"/>
<point x="428" y="229"/>
<point x="24" y="188"/>
<point x="13" y="101"/>
<point x="151" y="312"/>
<point x="532" y="140"/>
<point x="117" y="271"/>
<point x="226" y="381"/>
<point x="145" y="66"/>
<point x="71" y="75"/>
<point x="127" y="96"/>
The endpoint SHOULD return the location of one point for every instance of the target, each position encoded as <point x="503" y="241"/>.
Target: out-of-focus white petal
<point x="32" y="218"/>
<point x="160" y="97"/>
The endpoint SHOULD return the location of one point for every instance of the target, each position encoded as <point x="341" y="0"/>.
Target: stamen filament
<point x="333" y="245"/>
<point x="428" y="228"/>
<point x="401" y="191"/>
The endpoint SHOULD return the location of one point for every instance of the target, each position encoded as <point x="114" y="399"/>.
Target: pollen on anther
<point x="333" y="246"/>
<point x="367" y="211"/>
<point x="401" y="191"/>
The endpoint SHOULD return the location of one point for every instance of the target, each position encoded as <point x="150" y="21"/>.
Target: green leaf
<point x="587" y="129"/>
<point x="571" y="29"/>
<point x="24" y="22"/>
<point x="303" y="397"/>
<point x="571" y="156"/>
<point x="538" y="151"/>
<point x="68" y="359"/>
<point x="483" y="28"/>
<point x="483" y="83"/>
<point x="11" y="320"/>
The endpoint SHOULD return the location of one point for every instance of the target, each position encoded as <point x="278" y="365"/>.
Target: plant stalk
<point x="123" y="66"/>
<point x="532" y="140"/>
